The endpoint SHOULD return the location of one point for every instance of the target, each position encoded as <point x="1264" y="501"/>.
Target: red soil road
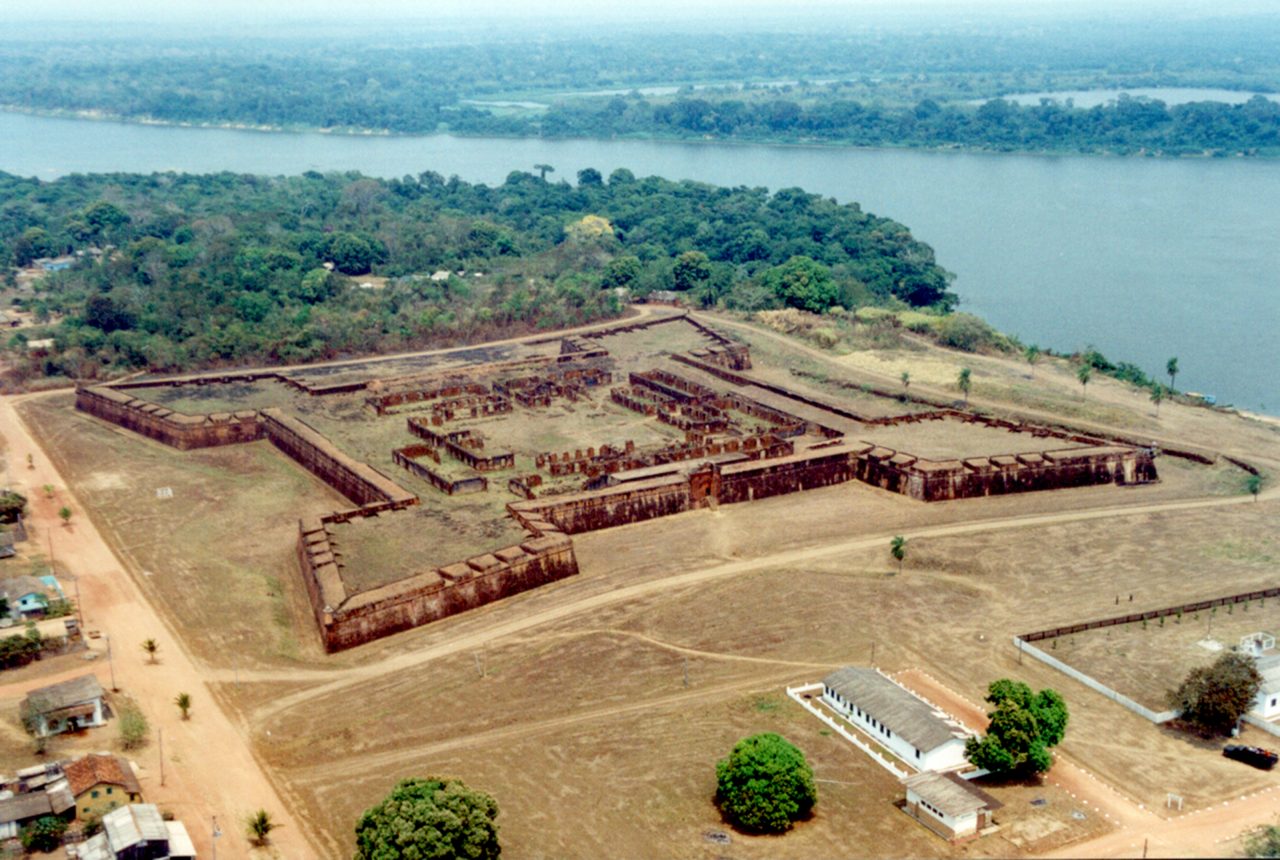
<point x="208" y="764"/>
<point x="1138" y="830"/>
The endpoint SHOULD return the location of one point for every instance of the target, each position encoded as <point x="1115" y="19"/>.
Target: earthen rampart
<point x="176" y="429"/>
<point x="347" y="620"/>
<point x="358" y="481"/>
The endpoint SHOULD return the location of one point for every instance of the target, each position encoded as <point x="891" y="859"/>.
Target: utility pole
<point x="112" y="664"/>
<point x="214" y="838"/>
<point x="160" y="733"/>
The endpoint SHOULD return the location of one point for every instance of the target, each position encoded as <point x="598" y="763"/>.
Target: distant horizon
<point x="580" y="14"/>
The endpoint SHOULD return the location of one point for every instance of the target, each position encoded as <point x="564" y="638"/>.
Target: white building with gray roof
<point x="924" y="737"/>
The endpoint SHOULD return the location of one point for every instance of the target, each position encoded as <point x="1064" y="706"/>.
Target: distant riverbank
<point x="1143" y="259"/>
<point x="799" y="141"/>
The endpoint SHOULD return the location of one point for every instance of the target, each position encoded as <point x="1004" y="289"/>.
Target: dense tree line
<point x="900" y="87"/>
<point x="181" y="271"/>
<point x="1127" y="126"/>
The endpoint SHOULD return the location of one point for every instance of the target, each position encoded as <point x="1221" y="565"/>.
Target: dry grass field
<point x="1144" y="662"/>
<point x="595" y="708"/>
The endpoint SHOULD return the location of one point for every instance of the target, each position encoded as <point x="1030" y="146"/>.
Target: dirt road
<point x="209" y="770"/>
<point x="1198" y="834"/>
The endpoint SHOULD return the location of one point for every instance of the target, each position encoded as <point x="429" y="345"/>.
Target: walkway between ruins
<point x="209" y="768"/>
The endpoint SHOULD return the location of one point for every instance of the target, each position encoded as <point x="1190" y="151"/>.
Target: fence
<point x="797" y="694"/>
<point x="1198" y="606"/>
<point x="1094" y="684"/>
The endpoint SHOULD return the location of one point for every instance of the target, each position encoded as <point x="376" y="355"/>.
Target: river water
<point x="1143" y="259"/>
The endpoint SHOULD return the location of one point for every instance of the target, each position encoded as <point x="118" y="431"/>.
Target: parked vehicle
<point x="1256" y="756"/>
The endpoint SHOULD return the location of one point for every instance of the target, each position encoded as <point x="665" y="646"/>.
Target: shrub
<point x="44" y="834"/>
<point x="965" y="332"/>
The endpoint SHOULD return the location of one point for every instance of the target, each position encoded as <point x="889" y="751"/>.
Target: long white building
<point x="912" y="729"/>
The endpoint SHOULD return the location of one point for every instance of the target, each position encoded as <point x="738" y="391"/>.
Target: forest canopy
<point x="175" y="271"/>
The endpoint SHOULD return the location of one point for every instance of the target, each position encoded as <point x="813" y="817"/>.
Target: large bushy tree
<point x="429" y="819"/>
<point x="1214" y="697"/>
<point x="1024" y="725"/>
<point x="803" y="283"/>
<point x="765" y="784"/>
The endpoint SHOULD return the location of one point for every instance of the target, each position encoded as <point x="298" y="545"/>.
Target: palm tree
<point x="1032" y="355"/>
<point x="183" y="701"/>
<point x="898" y="549"/>
<point x="259" y="826"/>
<point x="151" y="646"/>
<point x="964" y="382"/>
<point x="1084" y="373"/>
<point x="1171" y="368"/>
<point x="1157" y="395"/>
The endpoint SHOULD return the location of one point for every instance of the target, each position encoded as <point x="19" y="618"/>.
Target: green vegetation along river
<point x="1142" y="258"/>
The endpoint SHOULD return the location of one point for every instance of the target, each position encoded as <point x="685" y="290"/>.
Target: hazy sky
<point x="244" y="11"/>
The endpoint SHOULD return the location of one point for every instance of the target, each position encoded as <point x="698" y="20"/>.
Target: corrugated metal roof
<point x="951" y="795"/>
<point x="129" y="825"/>
<point x="902" y="712"/>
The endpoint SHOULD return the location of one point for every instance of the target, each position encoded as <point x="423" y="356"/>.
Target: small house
<point x="1267" y="703"/>
<point x="68" y="706"/>
<point x="948" y="805"/>
<point x="19" y="809"/>
<point x="137" y="832"/>
<point x="100" y="783"/>
<point x="28" y="597"/>
<point x="911" y="728"/>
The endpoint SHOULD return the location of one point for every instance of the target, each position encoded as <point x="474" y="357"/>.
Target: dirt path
<point x="767" y="682"/>
<point x="402" y="662"/>
<point x="1196" y="834"/>
<point x="208" y="766"/>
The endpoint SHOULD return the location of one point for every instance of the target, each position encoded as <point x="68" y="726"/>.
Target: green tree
<point x="64" y="513"/>
<point x="151" y="646"/>
<point x="1024" y="725"/>
<point x="965" y="382"/>
<point x="44" y="835"/>
<point x="1264" y="842"/>
<point x="898" y="549"/>
<point x="1171" y="368"/>
<point x="1084" y="373"/>
<point x="11" y="506"/>
<point x="1214" y="697"/>
<point x="1253" y="485"/>
<point x="183" y="701"/>
<point x="765" y="784"/>
<point x="543" y="170"/>
<point x="1157" y="397"/>
<point x="1032" y="354"/>
<point x="429" y="818"/>
<point x="133" y="727"/>
<point x="621" y="272"/>
<point x="803" y="283"/>
<point x="589" y="177"/>
<point x="258" y="827"/>
<point x="692" y="269"/>
<point x="351" y="254"/>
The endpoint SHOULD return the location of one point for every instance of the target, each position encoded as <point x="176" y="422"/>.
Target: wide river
<point x="1142" y="258"/>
